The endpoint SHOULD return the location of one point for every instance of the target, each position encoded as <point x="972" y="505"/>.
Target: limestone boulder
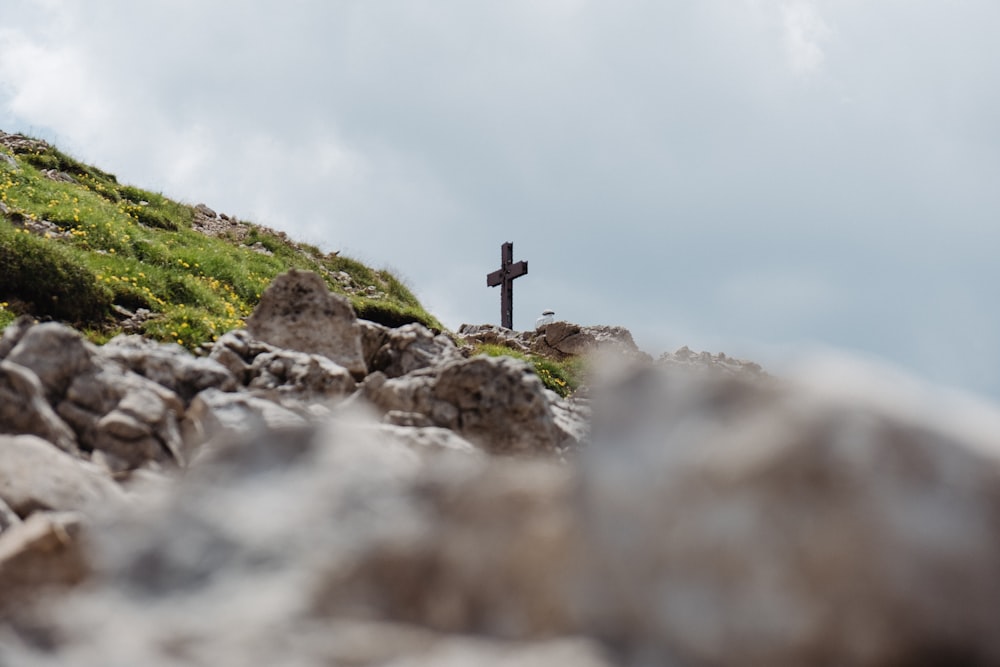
<point x="298" y="312"/>
<point x="223" y="416"/>
<point x="564" y="339"/>
<point x="411" y="347"/>
<point x="236" y="350"/>
<point x="24" y="410"/>
<point x="169" y="365"/>
<point x="124" y="418"/>
<point x="497" y="403"/>
<point x="685" y="358"/>
<point x="13" y="333"/>
<point x="38" y="555"/>
<point x="427" y="439"/>
<point x="373" y="336"/>
<point x="738" y="521"/>
<point x="494" y="334"/>
<point x="36" y="476"/>
<point x="56" y="354"/>
<point x="490" y="548"/>
<point x="307" y="377"/>
<point x="8" y="517"/>
<point x="278" y="548"/>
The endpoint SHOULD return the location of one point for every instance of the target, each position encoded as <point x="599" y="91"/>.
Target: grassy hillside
<point x="78" y="246"/>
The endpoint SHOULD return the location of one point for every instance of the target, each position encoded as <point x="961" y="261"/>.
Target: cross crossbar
<point x="504" y="277"/>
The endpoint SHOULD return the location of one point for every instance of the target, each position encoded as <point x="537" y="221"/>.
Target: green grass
<point x="562" y="377"/>
<point x="137" y="249"/>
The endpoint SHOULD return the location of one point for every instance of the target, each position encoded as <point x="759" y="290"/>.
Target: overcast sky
<point x="745" y="176"/>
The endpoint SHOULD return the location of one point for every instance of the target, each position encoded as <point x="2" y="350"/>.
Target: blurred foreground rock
<point x="451" y="511"/>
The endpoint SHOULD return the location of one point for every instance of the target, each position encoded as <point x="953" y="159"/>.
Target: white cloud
<point x="54" y="87"/>
<point x="659" y="165"/>
<point x="805" y="33"/>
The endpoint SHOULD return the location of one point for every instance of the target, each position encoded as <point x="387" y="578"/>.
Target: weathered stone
<point x="428" y="439"/>
<point x="495" y="402"/>
<point x="734" y="521"/>
<point x="40" y="554"/>
<point x="369" y="644"/>
<point x="35" y="476"/>
<point x="205" y="211"/>
<point x="231" y="361"/>
<point x="298" y="312"/>
<point x="143" y="426"/>
<point x="400" y="418"/>
<point x="169" y="365"/>
<point x="300" y="375"/>
<point x="686" y="358"/>
<point x="491" y="552"/>
<point x="13" y="333"/>
<point x="8" y="517"/>
<point x="123" y="426"/>
<point x="410" y="347"/>
<point x="373" y="336"/>
<point x="564" y="339"/>
<point x="214" y="414"/>
<point x="495" y="335"/>
<point x="56" y="354"/>
<point x="58" y="176"/>
<point x="145" y="405"/>
<point x="24" y="410"/>
<point x="236" y="350"/>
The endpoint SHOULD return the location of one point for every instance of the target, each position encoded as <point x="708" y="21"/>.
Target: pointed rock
<point x="298" y="312"/>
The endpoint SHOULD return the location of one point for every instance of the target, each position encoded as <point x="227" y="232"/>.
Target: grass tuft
<point x="562" y="377"/>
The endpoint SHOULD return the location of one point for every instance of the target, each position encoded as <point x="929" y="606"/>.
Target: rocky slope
<point x="324" y="490"/>
<point x="77" y="246"/>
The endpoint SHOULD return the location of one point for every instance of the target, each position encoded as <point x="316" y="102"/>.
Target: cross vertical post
<point x="504" y="277"/>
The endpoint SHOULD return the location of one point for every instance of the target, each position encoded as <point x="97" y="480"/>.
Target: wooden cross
<point x="504" y="277"/>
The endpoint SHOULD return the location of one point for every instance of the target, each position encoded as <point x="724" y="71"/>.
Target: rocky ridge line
<point x="391" y="500"/>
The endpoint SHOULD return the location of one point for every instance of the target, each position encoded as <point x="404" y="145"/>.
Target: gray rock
<point x="56" y="354"/>
<point x="13" y="333"/>
<point x="205" y="211"/>
<point x="24" y="410"/>
<point x="36" y="476"/>
<point x="410" y="347"/>
<point x="400" y="418"/>
<point x="489" y="550"/>
<point x="298" y="312"/>
<point x="222" y="416"/>
<point x="130" y="419"/>
<point x="736" y="521"/>
<point x="236" y="350"/>
<point x="373" y="336"/>
<point x="308" y="377"/>
<point x="496" y="335"/>
<point x="564" y="339"/>
<point x="427" y="439"/>
<point x="36" y="556"/>
<point x="497" y="403"/>
<point x="8" y="517"/>
<point x="58" y="176"/>
<point x="684" y="357"/>
<point x="169" y="365"/>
